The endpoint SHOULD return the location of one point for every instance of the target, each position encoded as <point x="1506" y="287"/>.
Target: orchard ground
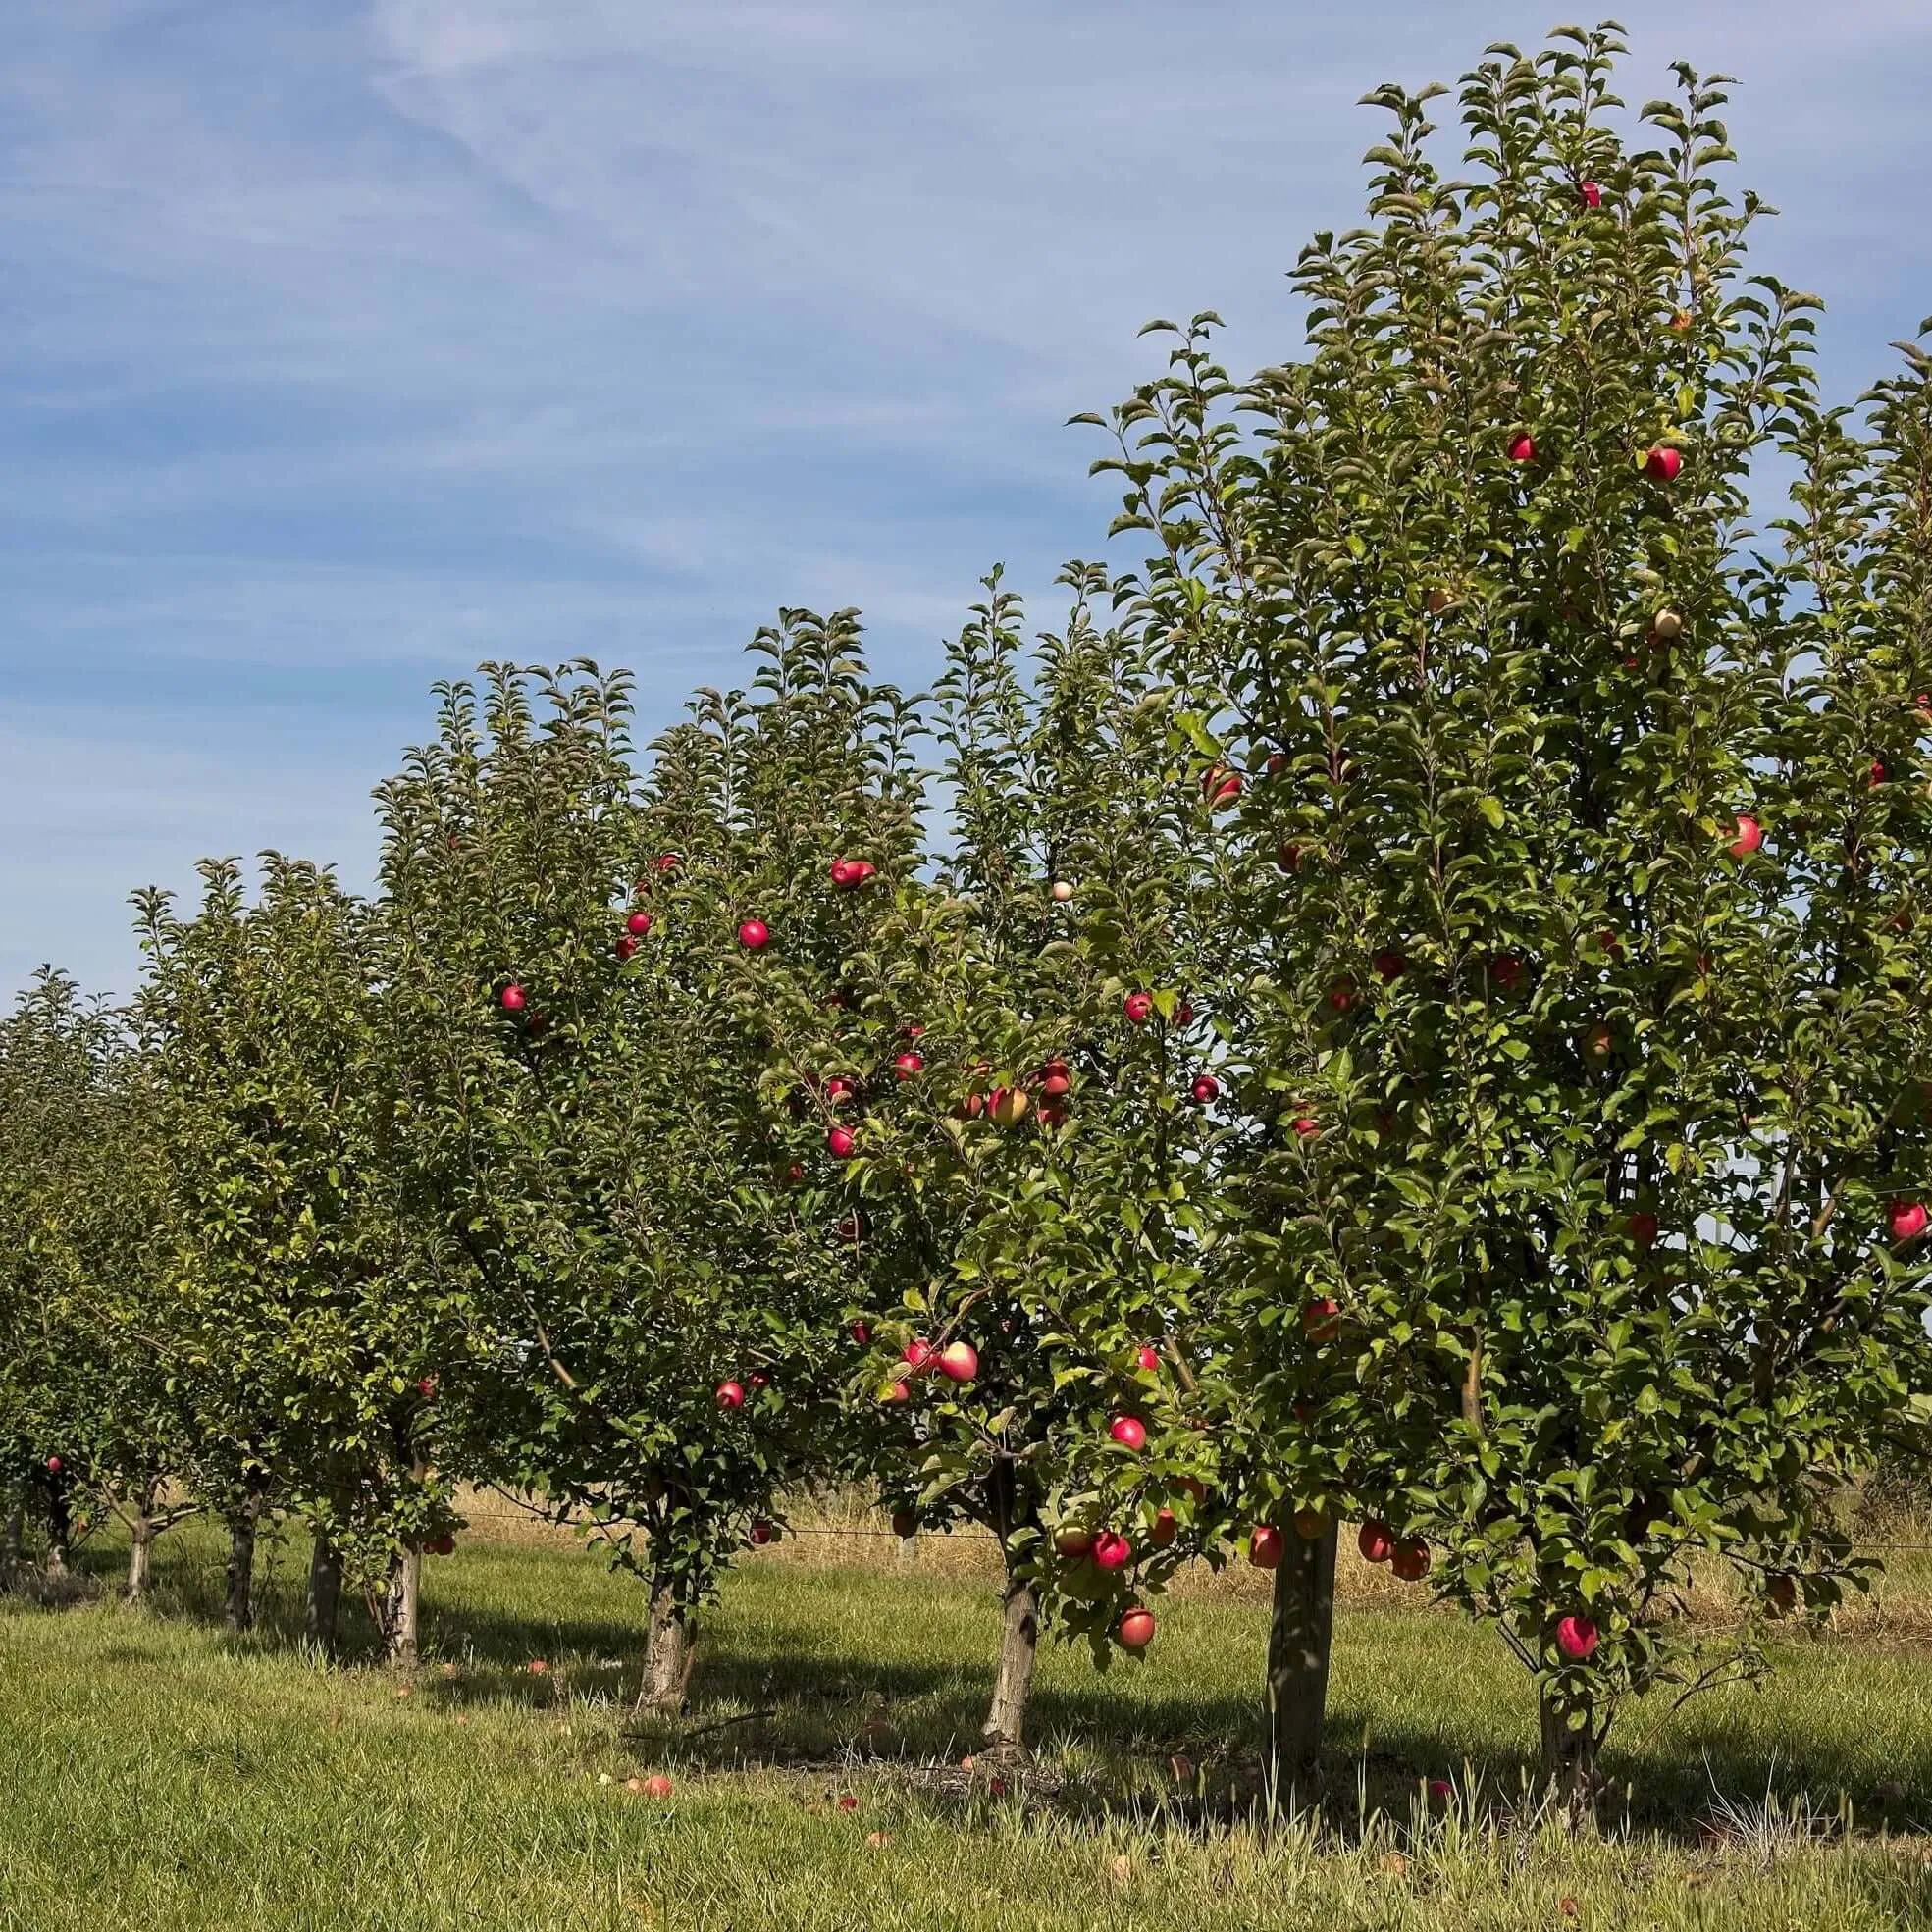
<point x="163" y="1775"/>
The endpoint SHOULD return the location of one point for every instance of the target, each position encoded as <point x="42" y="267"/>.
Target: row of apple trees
<point x="1407" y="1010"/>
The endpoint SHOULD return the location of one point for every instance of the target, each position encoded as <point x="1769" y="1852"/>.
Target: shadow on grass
<point x="779" y="1686"/>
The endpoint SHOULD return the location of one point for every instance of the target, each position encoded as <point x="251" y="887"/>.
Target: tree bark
<point x="322" y="1622"/>
<point x="668" y="1657"/>
<point x="1005" y="1735"/>
<point x="402" y="1607"/>
<point x="142" y="1533"/>
<point x="1569" y="1754"/>
<point x="13" y="1542"/>
<point x="60" y="1534"/>
<point x="1299" y="1639"/>
<point x="238" y="1603"/>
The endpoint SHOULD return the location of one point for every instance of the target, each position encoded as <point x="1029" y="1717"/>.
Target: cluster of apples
<point x="957" y="1361"/>
<point x="731" y="1395"/>
<point x="1406" y="1557"/>
<point x="1007" y="1107"/>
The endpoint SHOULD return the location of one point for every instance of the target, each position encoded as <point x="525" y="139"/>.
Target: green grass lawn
<point x="160" y="1776"/>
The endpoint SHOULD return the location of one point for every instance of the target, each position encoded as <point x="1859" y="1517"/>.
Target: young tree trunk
<point x="12" y="1543"/>
<point x="239" y="1604"/>
<point x="668" y="1657"/>
<point x="1299" y="1639"/>
<point x="142" y="1533"/>
<point x="401" y="1608"/>
<point x="1004" y="1735"/>
<point x="1569" y="1756"/>
<point x="321" y="1620"/>
<point x="60" y="1534"/>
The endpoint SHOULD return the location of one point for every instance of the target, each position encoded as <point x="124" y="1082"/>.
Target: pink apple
<point x="1061" y="890"/>
<point x="426" y="1387"/>
<point x="1129" y="1431"/>
<point x="1149" y="1357"/>
<point x="1663" y="463"/>
<point x="1111" y="1550"/>
<point x="514" y="999"/>
<point x="840" y="1144"/>
<point x="959" y="1361"/>
<point x="918" y="1353"/>
<point x="657" y="1785"/>
<point x="638" y="923"/>
<point x="1375" y="1541"/>
<point x="1907" y="1220"/>
<point x="1591" y="193"/>
<point x="55" y="1465"/>
<point x="1747" y="836"/>
<point x="1265" y="1547"/>
<point x="1205" y="1088"/>
<point x="907" y="1064"/>
<point x="1875" y="773"/>
<point x="1219" y="787"/>
<point x="1055" y="1079"/>
<point x="1136" y="1628"/>
<point x="730" y="1395"/>
<point x="1137" y="1007"/>
<point x="1576" y="1636"/>
<point x="1523" y="447"/>
<point x="841" y="872"/>
<point x="754" y="935"/>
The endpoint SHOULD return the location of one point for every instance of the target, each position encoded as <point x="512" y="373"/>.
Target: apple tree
<point x="1583" y="890"/>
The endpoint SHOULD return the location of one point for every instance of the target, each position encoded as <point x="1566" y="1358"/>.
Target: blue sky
<point x="347" y="344"/>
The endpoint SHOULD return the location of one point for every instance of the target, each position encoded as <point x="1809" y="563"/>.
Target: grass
<point x="165" y="1777"/>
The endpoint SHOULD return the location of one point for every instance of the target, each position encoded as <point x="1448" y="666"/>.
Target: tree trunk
<point x="60" y="1534"/>
<point x="668" y="1657"/>
<point x="1005" y="1735"/>
<point x="239" y="1604"/>
<point x="142" y="1533"/>
<point x="322" y="1622"/>
<point x="13" y="1542"/>
<point x="1569" y="1754"/>
<point x="1299" y="1639"/>
<point x="401" y="1608"/>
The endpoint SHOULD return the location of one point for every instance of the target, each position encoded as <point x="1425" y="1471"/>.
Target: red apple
<point x="638" y="923"/>
<point x="657" y="1785"/>
<point x="1165" y="1526"/>
<point x="1205" y="1088"/>
<point x="1321" y="1320"/>
<point x="1410" y="1560"/>
<point x="758" y="1378"/>
<point x="762" y="1533"/>
<point x="514" y="999"/>
<point x="1055" y="1079"/>
<point x="918" y="1353"/>
<point x="1053" y="1112"/>
<point x="841" y="872"/>
<point x="1072" y="1542"/>
<point x="626" y="946"/>
<point x="1598" y="1041"/>
<point x="1194" y="1487"/>
<point x="1507" y="970"/>
<point x="1342" y="995"/>
<point x="1591" y="193"/>
<point x="1663" y="463"/>
<point x="1576" y="1636"/>
<point x="907" y="1064"/>
<point x="754" y="935"/>
<point x="1008" y="1106"/>
<point x="1136" y="1628"/>
<point x="426" y="1387"/>
<point x="1129" y="1431"/>
<point x="1642" y="1227"/>
<point x="1137" y="1007"/>
<point x="862" y="1334"/>
<point x="1287" y="858"/>
<point x="1111" y="1550"/>
<point x="1523" y="447"/>
<point x="1747" y="836"/>
<point x="443" y="1546"/>
<point x="1440" y="1791"/>
<point x="959" y="1361"/>
<point x="730" y="1395"/>
<point x="895" y="1392"/>
<point x="1389" y="963"/>
<point x="1219" y="787"/>
<point x="667" y="861"/>
<point x="904" y="1522"/>
<point x="1149" y="1357"/>
<point x="840" y="1144"/>
<point x="1782" y="1590"/>
<point x="1265" y="1547"/>
<point x="1306" y="1126"/>
<point x="1061" y="890"/>
<point x="838" y="1091"/>
<point x="1875" y="772"/>
<point x="1375" y="1541"/>
<point x="1906" y="1220"/>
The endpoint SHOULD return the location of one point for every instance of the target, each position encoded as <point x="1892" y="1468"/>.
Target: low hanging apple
<point x="904" y="1522"/>
<point x="754" y="935"/>
<point x="1375" y="1541"/>
<point x="1265" y="1547"/>
<point x="1576" y="1636"/>
<point x="1055" y="1079"/>
<point x="959" y="1361"/>
<point x="443" y="1546"/>
<point x="1136" y="1628"/>
<point x="730" y="1395"/>
<point x="1111" y="1550"/>
<point x="1410" y="1560"/>
<point x="1129" y="1431"/>
<point x="918" y="1353"/>
<point x="862" y="1334"/>
<point x="1906" y="1220"/>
